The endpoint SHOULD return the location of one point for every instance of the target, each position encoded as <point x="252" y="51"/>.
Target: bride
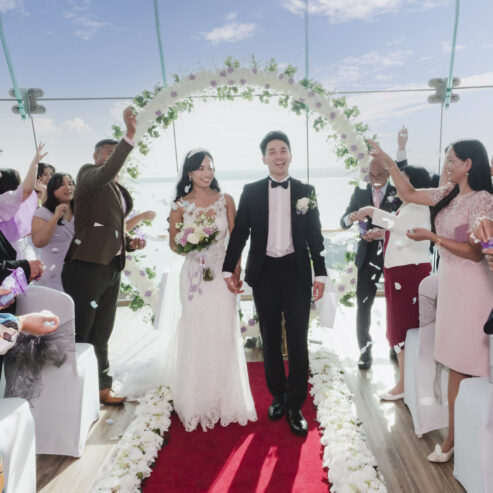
<point x="206" y="367"/>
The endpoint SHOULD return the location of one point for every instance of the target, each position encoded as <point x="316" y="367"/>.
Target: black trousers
<point x="94" y="289"/>
<point x="281" y="289"/>
<point x="366" y="289"/>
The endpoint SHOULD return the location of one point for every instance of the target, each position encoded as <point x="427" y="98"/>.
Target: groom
<point x="285" y="236"/>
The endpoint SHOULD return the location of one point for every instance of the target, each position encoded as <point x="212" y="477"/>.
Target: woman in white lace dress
<point x="206" y="362"/>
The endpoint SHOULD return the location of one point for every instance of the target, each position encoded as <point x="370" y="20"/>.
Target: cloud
<point x="86" y="25"/>
<point x="477" y="80"/>
<point x="6" y="5"/>
<point x="372" y="65"/>
<point x="47" y="127"/>
<point x="230" y="32"/>
<point x="116" y="110"/>
<point x="346" y="10"/>
<point x="447" y="47"/>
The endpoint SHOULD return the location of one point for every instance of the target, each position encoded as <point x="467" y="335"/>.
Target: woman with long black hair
<point x="53" y="228"/>
<point x="465" y="286"/>
<point x="206" y="365"/>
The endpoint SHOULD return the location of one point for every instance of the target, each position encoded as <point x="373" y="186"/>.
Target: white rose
<point x="303" y="203"/>
<point x="193" y="238"/>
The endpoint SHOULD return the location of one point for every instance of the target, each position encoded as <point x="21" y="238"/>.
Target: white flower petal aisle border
<point x="137" y="450"/>
<point x="352" y="466"/>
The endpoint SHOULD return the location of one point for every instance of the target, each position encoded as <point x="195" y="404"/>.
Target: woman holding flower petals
<point x="205" y="362"/>
<point x="465" y="286"/>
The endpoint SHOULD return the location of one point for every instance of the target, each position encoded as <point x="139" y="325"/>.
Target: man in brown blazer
<point x="96" y="256"/>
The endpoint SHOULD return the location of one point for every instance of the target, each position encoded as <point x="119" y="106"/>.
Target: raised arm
<point x="134" y="221"/>
<point x="406" y="191"/>
<point x="30" y="179"/>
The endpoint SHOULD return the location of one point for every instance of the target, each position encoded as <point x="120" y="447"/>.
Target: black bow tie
<point x="284" y="184"/>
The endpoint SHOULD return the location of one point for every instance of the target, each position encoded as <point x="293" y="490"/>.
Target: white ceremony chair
<point x="473" y="461"/>
<point x="69" y="400"/>
<point x="17" y="446"/>
<point x="420" y="366"/>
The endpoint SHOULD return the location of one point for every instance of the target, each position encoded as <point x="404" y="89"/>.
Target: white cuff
<point x="226" y="275"/>
<point x="401" y="155"/>
<point x="320" y="279"/>
<point x="348" y="221"/>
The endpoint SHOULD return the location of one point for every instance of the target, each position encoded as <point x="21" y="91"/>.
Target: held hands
<point x="364" y="212"/>
<point x="234" y="284"/>
<point x="130" y="121"/>
<point x="420" y="234"/>
<point x="318" y="290"/>
<point x="37" y="267"/>
<point x="373" y="234"/>
<point x="40" y="324"/>
<point x="137" y="243"/>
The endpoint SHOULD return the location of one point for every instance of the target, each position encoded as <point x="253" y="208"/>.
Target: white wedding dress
<point x="206" y="364"/>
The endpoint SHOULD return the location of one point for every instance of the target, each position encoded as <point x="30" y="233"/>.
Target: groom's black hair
<point x="274" y="135"/>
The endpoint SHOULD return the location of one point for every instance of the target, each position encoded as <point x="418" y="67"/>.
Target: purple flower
<point x="242" y="82"/>
<point x="311" y="94"/>
<point x="148" y="293"/>
<point x="343" y="136"/>
<point x="222" y="73"/>
<point x="353" y="281"/>
<point x="231" y="82"/>
<point x="349" y="270"/>
<point x="332" y="115"/>
<point x="342" y="288"/>
<point x="254" y="70"/>
<point x="142" y="273"/>
<point x="129" y="257"/>
<point x="354" y="148"/>
<point x="188" y="231"/>
<point x="127" y="272"/>
<point x="158" y="112"/>
<point x="193" y="288"/>
<point x="251" y="322"/>
<point x="183" y="240"/>
<point x="281" y="76"/>
<point x="213" y="83"/>
<point x="243" y="329"/>
<point x="208" y="231"/>
<point x="318" y="104"/>
<point x="361" y="155"/>
<point x="291" y="81"/>
<point x="313" y="306"/>
<point x="191" y="77"/>
<point x="230" y="70"/>
<point x="174" y="94"/>
<point x="267" y="86"/>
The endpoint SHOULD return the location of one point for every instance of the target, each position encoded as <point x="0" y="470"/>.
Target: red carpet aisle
<point x="261" y="457"/>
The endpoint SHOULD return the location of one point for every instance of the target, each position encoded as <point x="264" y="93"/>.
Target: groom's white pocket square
<point x="96" y="225"/>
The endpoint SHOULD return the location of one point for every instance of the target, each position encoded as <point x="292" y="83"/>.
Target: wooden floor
<point x="401" y="456"/>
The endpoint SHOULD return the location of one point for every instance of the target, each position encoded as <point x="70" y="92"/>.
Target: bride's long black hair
<point x="193" y="160"/>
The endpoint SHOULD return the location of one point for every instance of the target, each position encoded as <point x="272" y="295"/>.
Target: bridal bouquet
<point x="195" y="236"/>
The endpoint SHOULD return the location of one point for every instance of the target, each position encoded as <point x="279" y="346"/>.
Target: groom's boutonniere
<point x="304" y="204"/>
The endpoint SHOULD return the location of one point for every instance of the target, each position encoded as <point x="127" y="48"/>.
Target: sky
<point x="109" y="48"/>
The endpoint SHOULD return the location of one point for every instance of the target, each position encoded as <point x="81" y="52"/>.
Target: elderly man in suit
<point x="96" y="256"/>
<point x="369" y="255"/>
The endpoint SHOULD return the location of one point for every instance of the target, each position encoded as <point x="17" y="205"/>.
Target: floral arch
<point x="159" y="108"/>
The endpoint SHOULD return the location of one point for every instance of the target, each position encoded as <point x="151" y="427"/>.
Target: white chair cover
<point x="420" y="366"/>
<point x="473" y="453"/>
<point x="69" y="400"/>
<point x="17" y="446"/>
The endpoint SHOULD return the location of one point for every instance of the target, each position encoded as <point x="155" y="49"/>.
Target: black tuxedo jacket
<point x="253" y="219"/>
<point x="363" y="198"/>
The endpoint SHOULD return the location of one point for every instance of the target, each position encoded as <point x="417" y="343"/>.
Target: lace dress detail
<point x="210" y="382"/>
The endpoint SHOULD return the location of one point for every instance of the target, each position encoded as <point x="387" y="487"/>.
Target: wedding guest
<point x="18" y="201"/>
<point x="406" y="264"/>
<point x="369" y="259"/>
<point x="465" y="288"/>
<point x="45" y="172"/>
<point x="53" y="228"/>
<point x="96" y="256"/>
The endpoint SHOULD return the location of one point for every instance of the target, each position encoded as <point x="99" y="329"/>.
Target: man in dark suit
<point x="369" y="253"/>
<point x="280" y="215"/>
<point x="96" y="256"/>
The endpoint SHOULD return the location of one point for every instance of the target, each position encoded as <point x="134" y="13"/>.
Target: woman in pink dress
<point x="465" y="286"/>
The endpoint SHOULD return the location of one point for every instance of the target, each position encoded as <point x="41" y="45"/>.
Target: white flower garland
<point x="352" y="466"/>
<point x="139" y="446"/>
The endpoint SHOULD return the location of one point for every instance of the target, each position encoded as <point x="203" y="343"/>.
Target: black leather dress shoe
<point x="365" y="359"/>
<point x="297" y="422"/>
<point x="276" y="409"/>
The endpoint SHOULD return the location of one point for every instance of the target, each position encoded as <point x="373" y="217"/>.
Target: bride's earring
<point x="189" y="186"/>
